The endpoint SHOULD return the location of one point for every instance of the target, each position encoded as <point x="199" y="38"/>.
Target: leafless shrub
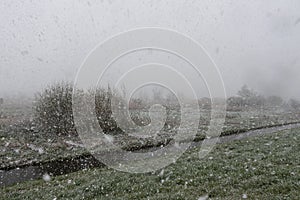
<point x="103" y="101"/>
<point x="53" y="109"/>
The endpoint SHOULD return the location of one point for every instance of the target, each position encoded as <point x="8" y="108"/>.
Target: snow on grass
<point x="223" y="177"/>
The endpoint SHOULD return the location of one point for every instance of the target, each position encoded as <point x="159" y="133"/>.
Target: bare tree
<point x="294" y="104"/>
<point x="275" y="101"/>
<point x="245" y="92"/>
<point x="250" y="98"/>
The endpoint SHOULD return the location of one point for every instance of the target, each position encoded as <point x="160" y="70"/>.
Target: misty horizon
<point x="254" y="43"/>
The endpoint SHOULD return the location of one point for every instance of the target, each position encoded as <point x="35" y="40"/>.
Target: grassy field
<point x="22" y="144"/>
<point x="266" y="167"/>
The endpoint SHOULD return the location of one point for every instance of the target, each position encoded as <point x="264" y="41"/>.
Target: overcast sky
<point x="252" y="42"/>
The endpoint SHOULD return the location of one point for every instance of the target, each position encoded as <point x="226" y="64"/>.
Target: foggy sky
<point x="252" y="42"/>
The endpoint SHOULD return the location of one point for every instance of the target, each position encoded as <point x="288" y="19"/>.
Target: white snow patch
<point x="204" y="197"/>
<point x="46" y="177"/>
<point x="40" y="150"/>
<point x="162" y="172"/>
<point x="73" y="143"/>
<point x="177" y="145"/>
<point x="109" y="138"/>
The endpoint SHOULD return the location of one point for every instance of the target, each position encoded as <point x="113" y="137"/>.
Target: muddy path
<point x="69" y="165"/>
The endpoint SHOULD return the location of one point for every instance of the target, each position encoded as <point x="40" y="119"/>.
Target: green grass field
<point x="20" y="145"/>
<point x="266" y="167"/>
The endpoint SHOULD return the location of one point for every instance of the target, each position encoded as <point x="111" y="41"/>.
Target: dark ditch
<point x="53" y="168"/>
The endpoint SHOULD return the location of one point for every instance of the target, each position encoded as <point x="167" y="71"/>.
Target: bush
<point x="103" y="109"/>
<point x="53" y="110"/>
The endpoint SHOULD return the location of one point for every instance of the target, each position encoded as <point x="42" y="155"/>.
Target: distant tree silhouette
<point x="245" y="92"/>
<point x="294" y="104"/>
<point x="275" y="101"/>
<point x="250" y="98"/>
